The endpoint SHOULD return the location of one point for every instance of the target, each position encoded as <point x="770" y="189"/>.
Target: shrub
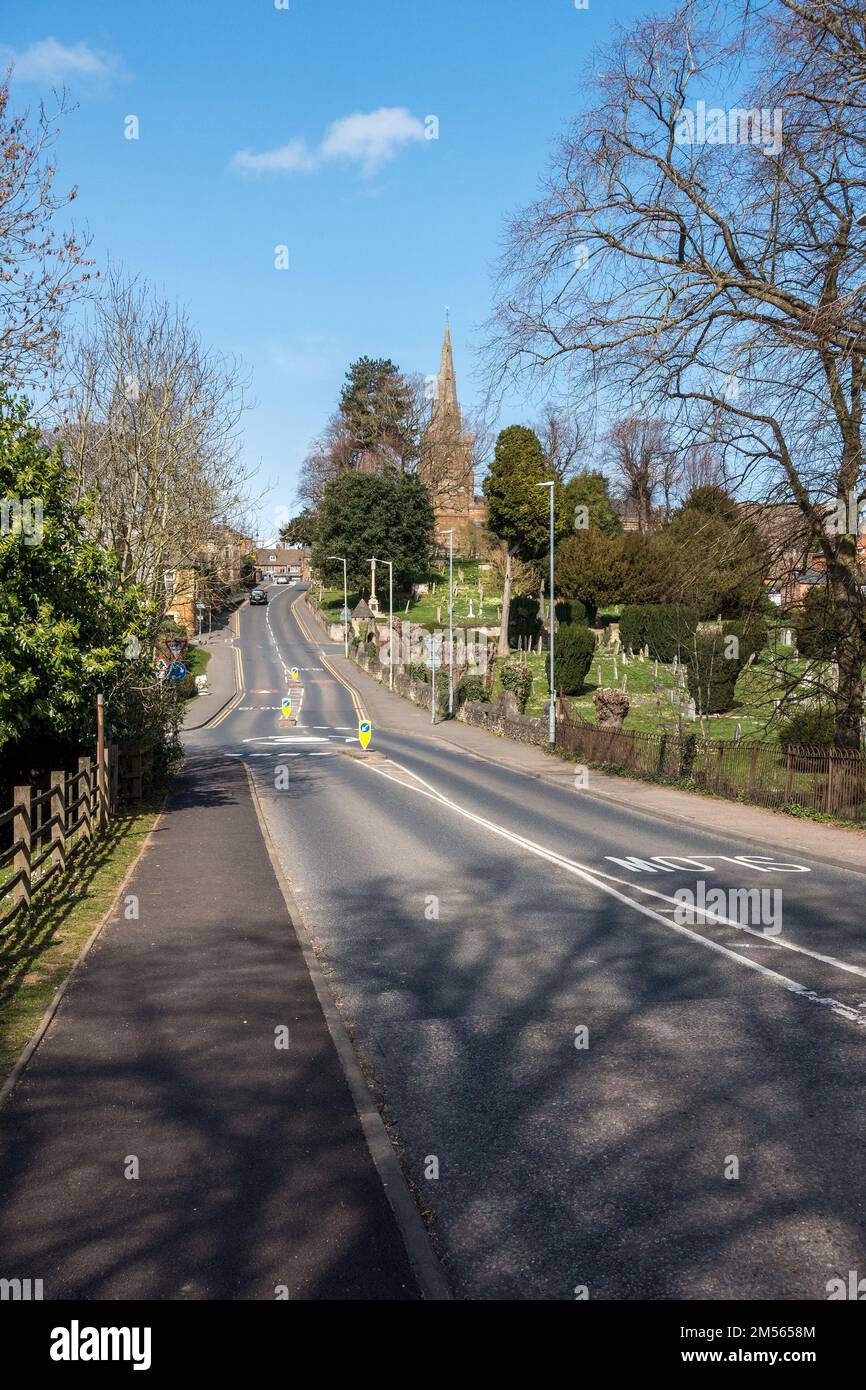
<point x="185" y="687"/>
<point x="808" y="726"/>
<point x="517" y="677"/>
<point x="815" y="625"/>
<point x="667" y="629"/>
<point x="751" y="634"/>
<point x="523" y="619"/>
<point x="417" y="671"/>
<point x="571" y="611"/>
<point x="472" y="688"/>
<point x="712" y="676"/>
<point x="572" y="657"/>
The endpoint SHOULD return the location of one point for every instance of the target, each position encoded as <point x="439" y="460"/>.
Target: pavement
<point x="251" y="1170"/>
<point x="222" y="674"/>
<point x="587" y="1090"/>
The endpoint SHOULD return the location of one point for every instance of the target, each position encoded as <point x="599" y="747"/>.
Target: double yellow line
<point x="235" y="624"/>
<point x="326" y="663"/>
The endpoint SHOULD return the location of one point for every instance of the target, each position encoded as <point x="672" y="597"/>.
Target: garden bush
<point x="417" y="671"/>
<point x="572" y="657"/>
<point x="515" y="676"/>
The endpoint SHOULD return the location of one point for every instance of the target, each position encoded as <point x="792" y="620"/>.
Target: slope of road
<point x="588" y="1094"/>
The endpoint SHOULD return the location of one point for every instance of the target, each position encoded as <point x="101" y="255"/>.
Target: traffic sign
<point x="295" y="673"/>
<point x="287" y="708"/>
<point x="365" y="733"/>
<point x="345" y="615"/>
<point x="176" y="671"/>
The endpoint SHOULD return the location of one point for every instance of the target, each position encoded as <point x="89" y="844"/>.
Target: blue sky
<point x="246" y="143"/>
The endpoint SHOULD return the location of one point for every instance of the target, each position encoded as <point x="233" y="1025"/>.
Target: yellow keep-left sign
<point x="365" y="733"/>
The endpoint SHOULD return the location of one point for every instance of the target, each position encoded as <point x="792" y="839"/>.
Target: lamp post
<point x="450" y="535"/>
<point x="345" y="602"/>
<point x="551" y="736"/>
<point x="374" y="560"/>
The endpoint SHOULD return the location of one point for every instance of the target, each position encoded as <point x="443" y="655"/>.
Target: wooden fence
<point x="829" y="780"/>
<point x="43" y="830"/>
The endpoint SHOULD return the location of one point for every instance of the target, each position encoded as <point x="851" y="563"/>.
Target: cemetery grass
<point x="423" y="610"/>
<point x="653" y="712"/>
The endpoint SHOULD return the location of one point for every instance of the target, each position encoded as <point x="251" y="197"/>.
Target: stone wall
<point x="523" y="728"/>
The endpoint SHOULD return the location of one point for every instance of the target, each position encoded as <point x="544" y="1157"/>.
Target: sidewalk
<point x="221" y="677"/>
<point x="836" y="845"/>
<point x="253" y="1172"/>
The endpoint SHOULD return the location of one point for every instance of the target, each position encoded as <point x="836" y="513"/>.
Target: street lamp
<point x="345" y="602"/>
<point x="374" y="560"/>
<point x="551" y="736"/>
<point x="450" y="535"/>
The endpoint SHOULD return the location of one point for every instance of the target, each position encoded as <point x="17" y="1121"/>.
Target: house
<point x="274" y="560"/>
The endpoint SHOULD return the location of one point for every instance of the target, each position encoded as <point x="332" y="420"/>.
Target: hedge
<point x="666" y="629"/>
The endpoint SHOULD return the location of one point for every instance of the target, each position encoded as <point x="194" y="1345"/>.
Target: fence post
<point x="22" y="831"/>
<point x="829" y="806"/>
<point x="57" y="805"/>
<point x="85" y="789"/>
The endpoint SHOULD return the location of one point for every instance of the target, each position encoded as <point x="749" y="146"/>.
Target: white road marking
<point x="288" y="738"/>
<point x="598" y="881"/>
<point x="710" y="915"/>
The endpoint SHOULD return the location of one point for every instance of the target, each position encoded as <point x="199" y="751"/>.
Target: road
<point x="592" y="1096"/>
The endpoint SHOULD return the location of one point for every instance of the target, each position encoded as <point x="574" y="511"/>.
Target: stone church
<point x="446" y="465"/>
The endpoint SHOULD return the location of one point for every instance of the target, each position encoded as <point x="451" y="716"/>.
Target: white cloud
<point x="369" y="139"/>
<point x="50" y="61"/>
<point x="372" y="139"/>
<point x="294" y="158"/>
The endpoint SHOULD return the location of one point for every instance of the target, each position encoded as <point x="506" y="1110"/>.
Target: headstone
<point x="692" y="709"/>
<point x="675" y="664"/>
<point x="471" y="609"/>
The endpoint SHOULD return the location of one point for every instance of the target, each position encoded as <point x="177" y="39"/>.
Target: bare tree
<point x="710" y="266"/>
<point x="41" y="269"/>
<point x="150" y="432"/>
<point x="564" y="438"/>
<point x="331" y="455"/>
<point x="702" y="466"/>
<point x="643" y="465"/>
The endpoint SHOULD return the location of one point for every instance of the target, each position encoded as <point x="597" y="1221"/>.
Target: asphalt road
<point x="588" y="1091"/>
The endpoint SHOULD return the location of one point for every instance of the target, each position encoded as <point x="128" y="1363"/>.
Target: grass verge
<point x="37" y="952"/>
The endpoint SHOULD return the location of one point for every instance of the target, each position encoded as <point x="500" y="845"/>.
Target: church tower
<point x="446" y="465"/>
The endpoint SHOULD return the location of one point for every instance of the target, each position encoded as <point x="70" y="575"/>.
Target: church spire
<point x="447" y="390"/>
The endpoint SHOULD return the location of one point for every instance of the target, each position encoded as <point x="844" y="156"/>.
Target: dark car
<point x="258" y="596"/>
